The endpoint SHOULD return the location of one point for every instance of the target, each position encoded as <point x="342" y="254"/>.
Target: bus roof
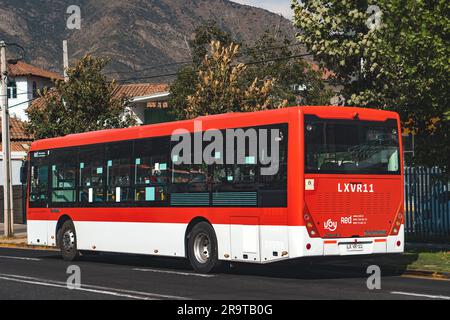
<point x="221" y="121"/>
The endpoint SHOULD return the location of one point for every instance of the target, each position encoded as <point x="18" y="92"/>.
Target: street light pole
<point x="65" y="60"/>
<point x="7" y="187"/>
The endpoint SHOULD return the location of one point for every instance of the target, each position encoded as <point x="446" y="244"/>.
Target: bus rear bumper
<point x="302" y="245"/>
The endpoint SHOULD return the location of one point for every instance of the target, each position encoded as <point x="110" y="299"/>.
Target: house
<point x="20" y="142"/>
<point x="24" y="81"/>
<point x="148" y="102"/>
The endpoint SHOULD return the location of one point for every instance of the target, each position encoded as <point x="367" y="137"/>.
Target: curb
<point x="428" y="274"/>
<point x="23" y="245"/>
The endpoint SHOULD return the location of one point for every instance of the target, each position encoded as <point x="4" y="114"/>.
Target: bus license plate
<point x="354" y="247"/>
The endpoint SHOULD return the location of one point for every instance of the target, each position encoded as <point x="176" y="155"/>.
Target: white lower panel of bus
<point x="247" y="243"/>
<point x="299" y="242"/>
<point x="165" y="239"/>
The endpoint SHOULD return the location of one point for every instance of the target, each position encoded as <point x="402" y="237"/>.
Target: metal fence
<point x="426" y="204"/>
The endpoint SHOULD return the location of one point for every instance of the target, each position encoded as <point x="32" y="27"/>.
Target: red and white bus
<point x="338" y="189"/>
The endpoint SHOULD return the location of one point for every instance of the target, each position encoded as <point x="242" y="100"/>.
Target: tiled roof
<point x="140" y="89"/>
<point x="37" y="103"/>
<point x="124" y="90"/>
<point x="20" y="141"/>
<point x="17" y="146"/>
<point x="24" y="69"/>
<point x="17" y="130"/>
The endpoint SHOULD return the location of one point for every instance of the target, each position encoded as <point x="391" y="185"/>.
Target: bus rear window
<point x="351" y="146"/>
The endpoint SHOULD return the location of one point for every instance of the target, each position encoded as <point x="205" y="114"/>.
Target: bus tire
<point x="67" y="241"/>
<point x="202" y="248"/>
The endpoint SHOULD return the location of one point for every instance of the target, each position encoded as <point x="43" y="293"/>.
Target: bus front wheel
<point x="202" y="248"/>
<point x="67" y="241"/>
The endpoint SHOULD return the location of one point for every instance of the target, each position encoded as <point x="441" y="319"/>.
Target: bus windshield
<point x="351" y="146"/>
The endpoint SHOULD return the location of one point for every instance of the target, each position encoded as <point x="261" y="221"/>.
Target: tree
<point x="219" y="86"/>
<point x="278" y="58"/>
<point x="84" y="103"/>
<point x="186" y="81"/>
<point x="271" y="58"/>
<point x="392" y="55"/>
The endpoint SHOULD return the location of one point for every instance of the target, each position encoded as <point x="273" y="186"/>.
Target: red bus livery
<point x="338" y="189"/>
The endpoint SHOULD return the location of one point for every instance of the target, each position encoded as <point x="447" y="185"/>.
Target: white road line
<point x="139" y="295"/>
<point x="176" y="272"/>
<point x="20" y="258"/>
<point x="420" y="295"/>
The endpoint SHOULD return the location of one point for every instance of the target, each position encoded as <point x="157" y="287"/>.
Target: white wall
<point x="25" y="93"/>
<point x="16" y="163"/>
<point x="138" y="111"/>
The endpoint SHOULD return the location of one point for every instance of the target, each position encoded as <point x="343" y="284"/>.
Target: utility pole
<point x="65" y="60"/>
<point x="7" y="185"/>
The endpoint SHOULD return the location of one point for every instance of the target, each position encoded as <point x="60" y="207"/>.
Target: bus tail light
<point x="310" y="226"/>
<point x="397" y="224"/>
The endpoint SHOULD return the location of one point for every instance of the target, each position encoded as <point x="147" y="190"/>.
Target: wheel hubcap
<point x="202" y="247"/>
<point x="68" y="240"/>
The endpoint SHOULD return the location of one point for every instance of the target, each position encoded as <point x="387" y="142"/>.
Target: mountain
<point x="135" y="34"/>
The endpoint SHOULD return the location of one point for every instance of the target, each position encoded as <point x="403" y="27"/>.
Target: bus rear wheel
<point x="202" y="248"/>
<point x="67" y="241"/>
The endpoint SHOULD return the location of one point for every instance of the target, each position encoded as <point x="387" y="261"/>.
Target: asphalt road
<point x="37" y="274"/>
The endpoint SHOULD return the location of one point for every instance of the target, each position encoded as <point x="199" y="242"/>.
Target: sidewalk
<point x="19" y="230"/>
<point x="20" y="236"/>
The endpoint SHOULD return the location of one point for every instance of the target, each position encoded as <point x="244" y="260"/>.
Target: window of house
<point x="12" y="90"/>
<point x="34" y="89"/>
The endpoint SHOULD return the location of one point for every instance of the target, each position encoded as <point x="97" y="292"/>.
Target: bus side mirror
<point x="24" y="172"/>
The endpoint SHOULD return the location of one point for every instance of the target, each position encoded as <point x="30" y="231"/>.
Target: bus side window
<point x="151" y="170"/>
<point x="273" y="186"/>
<point x="91" y="174"/>
<point x="63" y="172"/>
<point x="38" y="184"/>
<point x="191" y="177"/>
<point x="118" y="172"/>
<point x="242" y="149"/>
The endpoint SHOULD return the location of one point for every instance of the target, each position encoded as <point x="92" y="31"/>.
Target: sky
<point x="278" y="6"/>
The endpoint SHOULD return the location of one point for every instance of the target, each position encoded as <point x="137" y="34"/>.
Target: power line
<point x="149" y="77"/>
<point x="13" y="44"/>
<point x="244" y="52"/>
<point x="247" y="63"/>
<point x="18" y="94"/>
<point x="271" y="48"/>
<point x="18" y="104"/>
<point x="150" y="67"/>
